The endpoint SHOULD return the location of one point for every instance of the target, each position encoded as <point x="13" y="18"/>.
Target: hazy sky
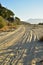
<point x="25" y="9"/>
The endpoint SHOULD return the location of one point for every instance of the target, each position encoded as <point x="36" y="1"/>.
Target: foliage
<point x="11" y="19"/>
<point x="17" y="20"/>
<point x="40" y="24"/>
<point x="5" y="13"/>
<point x="2" y="22"/>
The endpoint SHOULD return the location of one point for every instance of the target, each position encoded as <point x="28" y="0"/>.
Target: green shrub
<point x="2" y="22"/>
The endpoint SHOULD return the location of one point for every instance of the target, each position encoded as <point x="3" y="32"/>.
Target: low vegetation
<point x="41" y="39"/>
<point x="2" y="22"/>
<point x="7" y="19"/>
<point x="40" y="23"/>
<point x="5" y="13"/>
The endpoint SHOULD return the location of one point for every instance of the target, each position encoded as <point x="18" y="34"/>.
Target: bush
<point x="41" y="39"/>
<point x="1" y="25"/>
<point x="2" y="22"/>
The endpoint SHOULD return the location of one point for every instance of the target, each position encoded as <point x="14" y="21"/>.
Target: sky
<point x="25" y="9"/>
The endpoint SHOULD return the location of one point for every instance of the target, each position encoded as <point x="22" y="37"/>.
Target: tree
<point x="11" y="19"/>
<point x="40" y="23"/>
<point x="5" y="13"/>
<point x="17" y="20"/>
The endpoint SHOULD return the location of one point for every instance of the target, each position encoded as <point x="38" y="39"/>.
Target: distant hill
<point x="35" y="21"/>
<point x="25" y="23"/>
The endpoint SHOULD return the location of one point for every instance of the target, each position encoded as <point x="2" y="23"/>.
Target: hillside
<point x="7" y="19"/>
<point x="35" y="21"/>
<point x="5" y="13"/>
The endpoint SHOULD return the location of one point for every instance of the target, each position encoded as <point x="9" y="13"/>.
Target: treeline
<point x="40" y="23"/>
<point x="5" y="13"/>
<point x="7" y="16"/>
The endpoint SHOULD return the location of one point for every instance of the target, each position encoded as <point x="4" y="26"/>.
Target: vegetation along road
<point x="22" y="46"/>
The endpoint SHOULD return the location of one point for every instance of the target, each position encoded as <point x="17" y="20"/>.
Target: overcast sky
<point x="25" y="9"/>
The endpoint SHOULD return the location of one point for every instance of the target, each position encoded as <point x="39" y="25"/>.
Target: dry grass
<point x="6" y="28"/>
